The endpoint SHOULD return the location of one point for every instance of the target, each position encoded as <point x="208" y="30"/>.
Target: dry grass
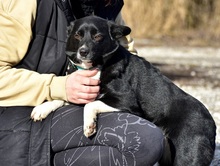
<point x="189" y="19"/>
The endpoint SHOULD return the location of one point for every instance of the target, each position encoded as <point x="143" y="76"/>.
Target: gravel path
<point x="194" y="69"/>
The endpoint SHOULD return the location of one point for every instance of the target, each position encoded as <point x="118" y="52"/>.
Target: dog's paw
<point x="90" y="114"/>
<point x="89" y="127"/>
<point x="37" y="115"/>
<point x="89" y="117"/>
<point x="40" y="112"/>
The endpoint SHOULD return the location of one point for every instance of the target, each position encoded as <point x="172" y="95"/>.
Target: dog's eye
<point x="98" y="37"/>
<point x="77" y="36"/>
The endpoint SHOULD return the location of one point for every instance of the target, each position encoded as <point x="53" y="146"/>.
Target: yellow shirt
<point x="21" y="87"/>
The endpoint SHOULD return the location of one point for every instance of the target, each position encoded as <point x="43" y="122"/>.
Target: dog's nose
<point x="84" y="52"/>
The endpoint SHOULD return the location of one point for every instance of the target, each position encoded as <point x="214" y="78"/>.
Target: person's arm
<point x="20" y="86"/>
<point x="127" y="41"/>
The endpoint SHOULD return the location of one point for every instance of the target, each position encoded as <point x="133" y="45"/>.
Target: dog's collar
<point x="111" y="52"/>
<point x="79" y="68"/>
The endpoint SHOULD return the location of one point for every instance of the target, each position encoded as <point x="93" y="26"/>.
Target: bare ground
<point x="194" y="69"/>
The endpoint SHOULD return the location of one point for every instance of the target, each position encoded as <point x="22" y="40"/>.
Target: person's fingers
<point x="88" y="73"/>
<point x="87" y="96"/>
<point x="89" y="89"/>
<point x="85" y="78"/>
<point x="81" y="89"/>
<point x="88" y="81"/>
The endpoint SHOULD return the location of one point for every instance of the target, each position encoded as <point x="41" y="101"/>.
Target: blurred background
<point x="193" y="22"/>
<point x="182" y="39"/>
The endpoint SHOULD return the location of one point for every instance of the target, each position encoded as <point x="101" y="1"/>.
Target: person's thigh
<point x="126" y="138"/>
<point x="90" y="156"/>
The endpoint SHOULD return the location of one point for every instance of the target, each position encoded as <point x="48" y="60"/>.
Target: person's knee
<point x="152" y="145"/>
<point x="137" y="139"/>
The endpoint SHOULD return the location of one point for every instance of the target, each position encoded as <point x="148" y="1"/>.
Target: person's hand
<point x="81" y="88"/>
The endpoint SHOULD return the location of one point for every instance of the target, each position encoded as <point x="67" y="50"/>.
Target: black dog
<point x="130" y="83"/>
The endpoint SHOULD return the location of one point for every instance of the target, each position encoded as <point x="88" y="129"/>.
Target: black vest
<point x="46" y="52"/>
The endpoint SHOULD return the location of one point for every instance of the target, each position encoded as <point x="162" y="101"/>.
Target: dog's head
<point x="92" y="40"/>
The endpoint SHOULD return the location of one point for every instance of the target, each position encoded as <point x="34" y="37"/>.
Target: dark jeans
<point x="121" y="139"/>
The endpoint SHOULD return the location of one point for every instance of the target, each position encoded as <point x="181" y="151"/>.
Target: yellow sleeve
<point x="20" y="86"/>
<point x="126" y="41"/>
<point x="15" y="29"/>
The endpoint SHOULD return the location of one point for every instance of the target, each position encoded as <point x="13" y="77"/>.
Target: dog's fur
<point x="130" y="83"/>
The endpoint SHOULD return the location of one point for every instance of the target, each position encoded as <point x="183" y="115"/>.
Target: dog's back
<point x="187" y="124"/>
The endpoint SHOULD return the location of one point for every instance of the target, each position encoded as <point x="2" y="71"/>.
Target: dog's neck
<point x="111" y="52"/>
<point x="75" y="67"/>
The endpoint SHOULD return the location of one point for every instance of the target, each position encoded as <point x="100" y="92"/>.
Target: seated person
<point x="32" y="69"/>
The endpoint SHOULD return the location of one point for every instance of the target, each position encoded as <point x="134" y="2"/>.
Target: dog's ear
<point x="69" y="29"/>
<point x="117" y="31"/>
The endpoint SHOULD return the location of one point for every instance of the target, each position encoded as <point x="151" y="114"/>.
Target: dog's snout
<point x="84" y="52"/>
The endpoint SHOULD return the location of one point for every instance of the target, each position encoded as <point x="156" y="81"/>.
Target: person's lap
<point x="121" y="138"/>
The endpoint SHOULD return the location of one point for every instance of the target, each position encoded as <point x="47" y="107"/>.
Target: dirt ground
<point x="194" y="69"/>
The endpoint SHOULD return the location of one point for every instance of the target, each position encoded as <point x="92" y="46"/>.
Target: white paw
<point x="90" y="114"/>
<point x="89" y="126"/>
<point x="40" y="112"/>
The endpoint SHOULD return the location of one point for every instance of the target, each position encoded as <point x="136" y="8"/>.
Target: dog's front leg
<point x="42" y="111"/>
<point x="90" y="114"/>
